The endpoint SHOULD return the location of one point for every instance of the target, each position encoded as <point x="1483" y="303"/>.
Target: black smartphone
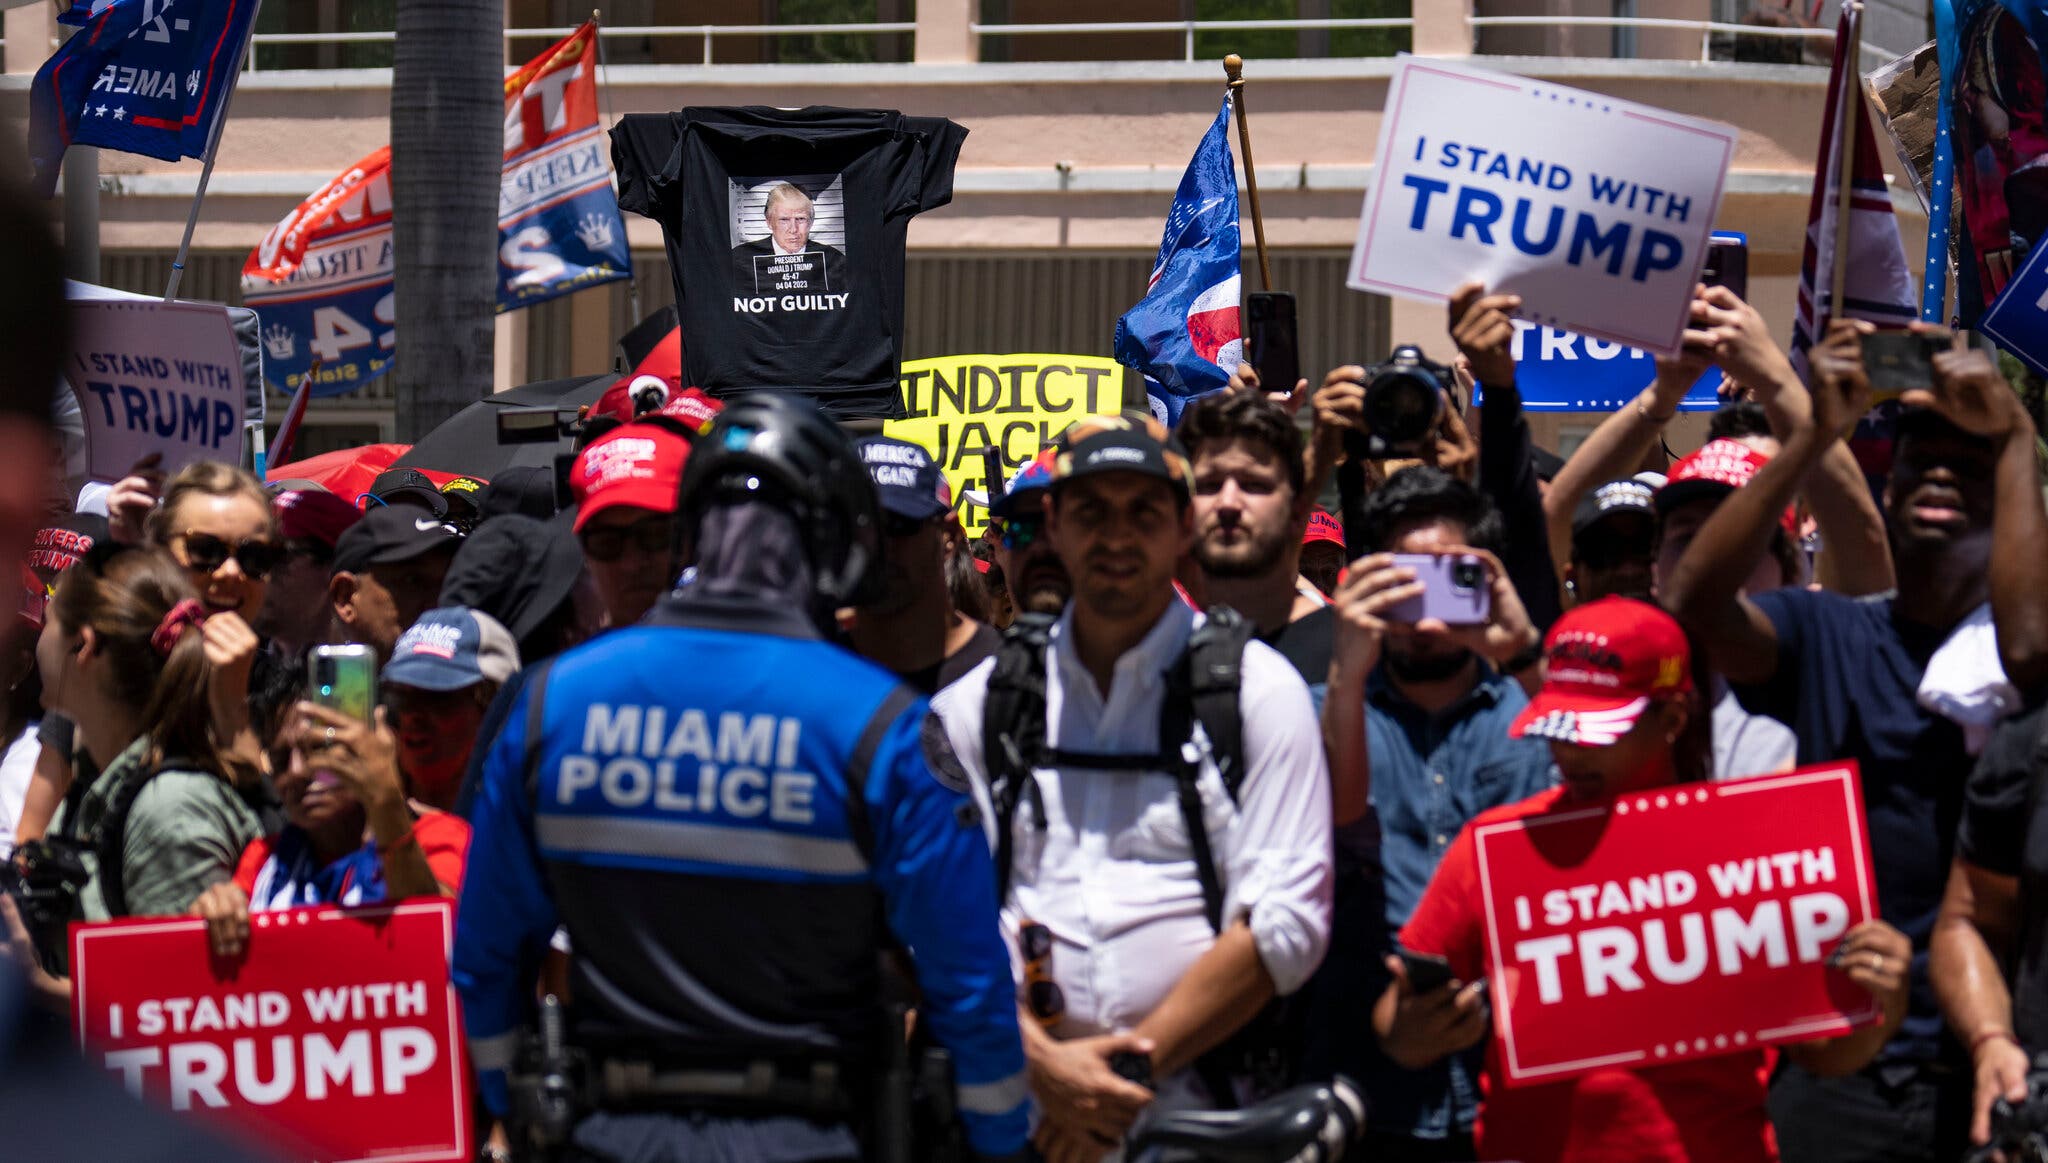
<point x="1270" y="340"/>
<point x="1728" y="263"/>
<point x="1132" y="1066"/>
<point x="1427" y="973"/>
<point x="1899" y="361"/>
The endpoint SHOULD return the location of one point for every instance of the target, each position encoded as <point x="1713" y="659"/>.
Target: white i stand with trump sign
<point x="1595" y="211"/>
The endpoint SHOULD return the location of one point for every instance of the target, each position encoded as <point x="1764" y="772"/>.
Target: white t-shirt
<point x="17" y="768"/>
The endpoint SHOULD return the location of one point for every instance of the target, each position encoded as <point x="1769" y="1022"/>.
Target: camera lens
<point x="1401" y="407"/>
<point x="1468" y="574"/>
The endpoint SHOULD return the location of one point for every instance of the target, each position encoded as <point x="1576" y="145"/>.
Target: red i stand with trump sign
<point x="337" y="1033"/>
<point x="1675" y="923"/>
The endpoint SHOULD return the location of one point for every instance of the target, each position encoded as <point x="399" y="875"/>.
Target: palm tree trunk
<point x="447" y="151"/>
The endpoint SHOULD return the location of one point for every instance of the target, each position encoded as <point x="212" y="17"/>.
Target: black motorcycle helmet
<point x="781" y="449"/>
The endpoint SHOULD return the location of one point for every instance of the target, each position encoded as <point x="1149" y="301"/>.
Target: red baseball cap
<point x="635" y="464"/>
<point x="1608" y="659"/>
<point x="1323" y="527"/>
<point x="313" y="516"/>
<point x="1711" y="472"/>
<point x="695" y="409"/>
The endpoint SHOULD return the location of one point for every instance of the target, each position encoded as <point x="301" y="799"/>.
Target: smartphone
<point x="1270" y="340"/>
<point x="1899" y="361"/>
<point x="344" y="678"/>
<point x="1727" y="263"/>
<point x="1427" y="973"/>
<point x="1132" y="1066"/>
<point x="1456" y="590"/>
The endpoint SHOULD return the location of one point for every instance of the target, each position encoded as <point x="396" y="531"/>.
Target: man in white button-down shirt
<point x="1105" y="909"/>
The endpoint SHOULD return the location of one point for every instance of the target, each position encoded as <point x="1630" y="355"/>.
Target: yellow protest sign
<point x="959" y="405"/>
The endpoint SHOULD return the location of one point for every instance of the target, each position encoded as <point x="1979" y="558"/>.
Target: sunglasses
<point x="1612" y="552"/>
<point x="1048" y="1003"/>
<point x="1019" y="532"/>
<point x="897" y="525"/>
<point x="651" y="536"/>
<point x="206" y="553"/>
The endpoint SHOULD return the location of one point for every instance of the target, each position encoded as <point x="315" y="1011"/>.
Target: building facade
<point x="1082" y="117"/>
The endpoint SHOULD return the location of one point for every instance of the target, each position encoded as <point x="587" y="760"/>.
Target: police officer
<point x="731" y="818"/>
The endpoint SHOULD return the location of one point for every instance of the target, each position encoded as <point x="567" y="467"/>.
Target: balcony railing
<point x="1710" y="33"/>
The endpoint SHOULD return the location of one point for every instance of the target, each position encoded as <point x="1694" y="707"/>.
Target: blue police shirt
<point x="1847" y="675"/>
<point x="690" y="824"/>
<point x="1431" y="774"/>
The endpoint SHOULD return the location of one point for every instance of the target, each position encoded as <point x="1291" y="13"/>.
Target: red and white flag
<point x="294" y="415"/>
<point x="1878" y="286"/>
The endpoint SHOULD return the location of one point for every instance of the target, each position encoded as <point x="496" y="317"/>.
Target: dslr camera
<point x="2020" y="1130"/>
<point x="1404" y="398"/>
<point x="44" y="878"/>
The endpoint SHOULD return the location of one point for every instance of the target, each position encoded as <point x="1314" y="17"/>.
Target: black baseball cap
<point x="517" y="569"/>
<point x="401" y="485"/>
<point x="907" y="482"/>
<point x="388" y="534"/>
<point x="1132" y="442"/>
<point x="1614" y="499"/>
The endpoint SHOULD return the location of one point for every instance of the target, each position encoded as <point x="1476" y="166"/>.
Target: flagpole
<point x="1233" y="72"/>
<point x="604" y="99"/>
<point x="212" y="150"/>
<point x="1845" y="172"/>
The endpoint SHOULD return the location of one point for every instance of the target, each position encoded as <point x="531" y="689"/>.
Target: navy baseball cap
<point x="906" y="480"/>
<point x="1614" y="499"/>
<point x="451" y="648"/>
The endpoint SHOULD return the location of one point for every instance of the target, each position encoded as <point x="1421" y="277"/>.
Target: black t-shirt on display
<point x="818" y="310"/>
<point x="2005" y="831"/>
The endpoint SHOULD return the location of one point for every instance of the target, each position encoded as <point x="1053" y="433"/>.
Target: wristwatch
<point x="1524" y="658"/>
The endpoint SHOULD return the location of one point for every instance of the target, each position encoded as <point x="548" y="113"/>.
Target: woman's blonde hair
<point x="208" y="478"/>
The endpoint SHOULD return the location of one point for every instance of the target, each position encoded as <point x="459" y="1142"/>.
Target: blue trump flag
<point x="149" y="77"/>
<point x="1185" y="333"/>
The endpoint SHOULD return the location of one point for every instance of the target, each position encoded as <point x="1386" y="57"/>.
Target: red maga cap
<point x="1608" y="659"/>
<point x="635" y="464"/>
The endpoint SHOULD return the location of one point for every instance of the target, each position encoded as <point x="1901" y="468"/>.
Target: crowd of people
<point x="1151" y="795"/>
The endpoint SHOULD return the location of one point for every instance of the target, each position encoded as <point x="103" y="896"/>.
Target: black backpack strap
<point x="1013" y="730"/>
<point x="536" y="720"/>
<point x="899" y="699"/>
<point x="110" y="837"/>
<point x="1202" y="686"/>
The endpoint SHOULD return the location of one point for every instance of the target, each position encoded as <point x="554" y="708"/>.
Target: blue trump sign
<point x="2018" y="318"/>
<point x="1561" y="371"/>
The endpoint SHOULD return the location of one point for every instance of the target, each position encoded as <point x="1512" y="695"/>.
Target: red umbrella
<point x="347" y="472"/>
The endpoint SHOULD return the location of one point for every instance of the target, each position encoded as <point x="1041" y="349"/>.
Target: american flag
<point x="1879" y="287"/>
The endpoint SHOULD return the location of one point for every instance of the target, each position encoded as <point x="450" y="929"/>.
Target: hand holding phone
<point x="344" y="678"/>
<point x="1457" y="591"/>
<point x="1426" y="972"/>
<point x="1900" y="361"/>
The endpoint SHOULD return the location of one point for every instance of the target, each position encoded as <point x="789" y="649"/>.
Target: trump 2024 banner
<point x="1596" y="211"/>
<point x="558" y="220"/>
<point x="335" y="1037"/>
<point x="321" y="283"/>
<point x="1678" y="923"/>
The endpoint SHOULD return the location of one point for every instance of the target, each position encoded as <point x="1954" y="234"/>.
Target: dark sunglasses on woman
<point x="206" y="553"/>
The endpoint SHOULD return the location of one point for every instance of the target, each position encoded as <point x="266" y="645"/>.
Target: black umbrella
<point x="467" y="442"/>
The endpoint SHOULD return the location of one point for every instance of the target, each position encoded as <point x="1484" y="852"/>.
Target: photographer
<point x="1417" y="718"/>
<point x="1352" y="425"/>
<point x="123" y="655"/>
<point x="1987" y="956"/>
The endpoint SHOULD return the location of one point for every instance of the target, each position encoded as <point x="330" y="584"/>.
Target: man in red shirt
<point x="1615" y="699"/>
